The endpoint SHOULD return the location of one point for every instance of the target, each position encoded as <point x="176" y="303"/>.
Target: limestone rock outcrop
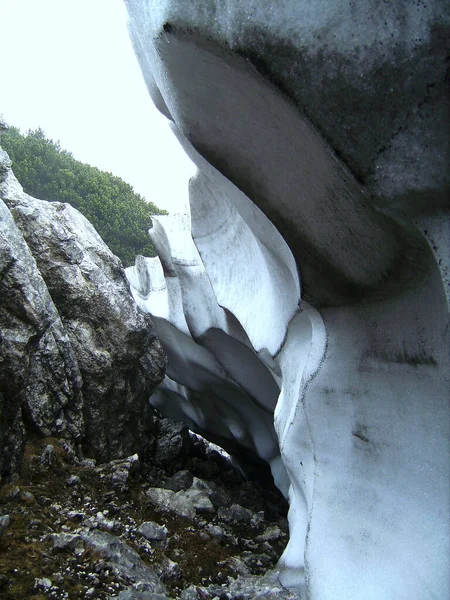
<point x="318" y="133"/>
<point x="78" y="358"/>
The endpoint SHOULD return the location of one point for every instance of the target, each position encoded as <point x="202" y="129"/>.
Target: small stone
<point x="238" y="566"/>
<point x="100" y="566"/>
<point x="13" y="493"/>
<point x="105" y="523"/>
<point x="75" y="514"/>
<point x="120" y="478"/>
<point x="27" y="497"/>
<point x="73" y="480"/>
<point x="48" y="456"/>
<point x="182" y="480"/>
<point x="171" y="570"/>
<point x="271" y="534"/>
<point x="122" y="560"/>
<point x="216" y="532"/>
<point x="238" y="514"/>
<point x="152" y="531"/>
<point x="190" y="593"/>
<point x="43" y="584"/>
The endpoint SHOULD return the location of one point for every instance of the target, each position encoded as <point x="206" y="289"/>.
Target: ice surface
<point x="345" y="393"/>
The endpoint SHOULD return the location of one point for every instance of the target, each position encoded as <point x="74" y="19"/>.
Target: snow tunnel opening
<point x="188" y="458"/>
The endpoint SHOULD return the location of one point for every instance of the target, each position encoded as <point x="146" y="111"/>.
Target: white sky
<point x="68" y="66"/>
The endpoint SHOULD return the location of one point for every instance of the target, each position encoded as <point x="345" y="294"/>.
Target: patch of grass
<point x="26" y="554"/>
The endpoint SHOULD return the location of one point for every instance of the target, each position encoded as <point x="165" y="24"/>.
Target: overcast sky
<point x="68" y="66"/>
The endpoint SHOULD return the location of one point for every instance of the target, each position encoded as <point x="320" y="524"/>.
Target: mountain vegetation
<point x="46" y="171"/>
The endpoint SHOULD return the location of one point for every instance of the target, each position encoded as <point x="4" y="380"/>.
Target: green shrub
<point x="46" y="171"/>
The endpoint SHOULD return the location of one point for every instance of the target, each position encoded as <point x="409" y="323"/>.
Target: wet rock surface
<point x="71" y="532"/>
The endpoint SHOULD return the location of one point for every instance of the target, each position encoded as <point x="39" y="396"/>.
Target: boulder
<point x="123" y="560"/>
<point x="173" y="446"/>
<point x="78" y="358"/>
<point x="40" y="382"/>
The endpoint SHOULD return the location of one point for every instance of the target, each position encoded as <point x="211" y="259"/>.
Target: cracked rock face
<point x="79" y="360"/>
<point x="340" y="383"/>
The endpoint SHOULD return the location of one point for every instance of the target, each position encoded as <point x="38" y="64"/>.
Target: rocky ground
<point x="187" y="526"/>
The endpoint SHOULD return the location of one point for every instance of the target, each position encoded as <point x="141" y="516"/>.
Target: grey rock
<point x="238" y="566"/>
<point x="48" y="456"/>
<point x="75" y="350"/>
<point x="261" y="588"/>
<point x="219" y="496"/>
<point x="38" y="368"/>
<point x="5" y="522"/>
<point x="238" y="514"/>
<point x="216" y="532"/>
<point x="182" y="480"/>
<point x="136" y="595"/>
<point x="271" y="534"/>
<point x="173" y="445"/>
<point x="43" y="584"/>
<point x="119" y="478"/>
<point x="257" y="563"/>
<point x="170" y="570"/>
<point x="152" y="531"/>
<point x="199" y="494"/>
<point x="244" y="587"/>
<point x="105" y="523"/>
<point x="185" y="503"/>
<point x="27" y="497"/>
<point x="168" y="501"/>
<point x="190" y="593"/>
<point x="73" y="481"/>
<point x="66" y="541"/>
<point x="123" y="560"/>
<point x="118" y="472"/>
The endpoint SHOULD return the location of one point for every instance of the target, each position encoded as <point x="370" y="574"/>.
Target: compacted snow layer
<point x="343" y="392"/>
<point x="215" y="374"/>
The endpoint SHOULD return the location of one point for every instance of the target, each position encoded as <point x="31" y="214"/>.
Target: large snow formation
<point x="342" y="388"/>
